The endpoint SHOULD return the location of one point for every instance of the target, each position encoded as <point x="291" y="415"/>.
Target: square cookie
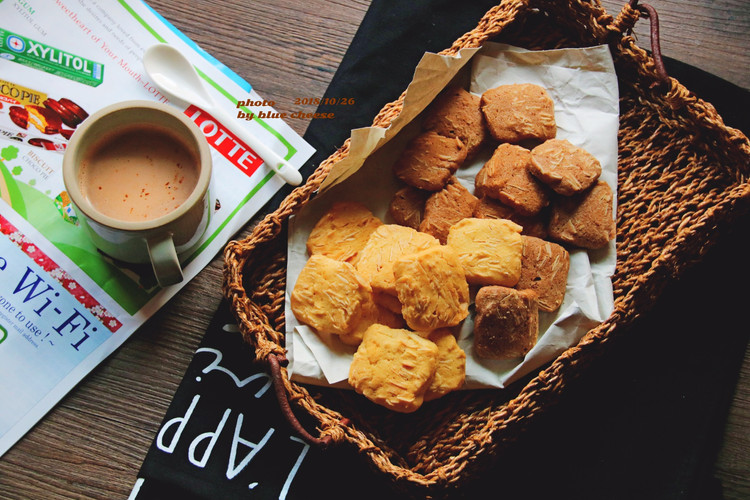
<point x="393" y="367"/>
<point x="429" y="160"/>
<point x="564" y="167"/>
<point x="544" y="269"/>
<point x="489" y="250"/>
<point x="584" y="220"/>
<point x="446" y="207"/>
<point x="519" y="112"/>
<point x="407" y="206"/>
<point x="432" y="289"/>
<point x="506" y="177"/>
<point x="386" y="244"/>
<point x="506" y="324"/>
<point x="456" y="113"/>
<point x="342" y="231"/>
<point x="330" y="295"/>
<point x="451" y="367"/>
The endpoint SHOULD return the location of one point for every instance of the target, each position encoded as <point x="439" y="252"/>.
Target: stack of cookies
<point x="545" y="184"/>
<point x="393" y="292"/>
<point x="400" y="291"/>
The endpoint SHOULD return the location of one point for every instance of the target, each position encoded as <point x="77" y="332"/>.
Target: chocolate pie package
<point x="32" y="117"/>
<point x="583" y="86"/>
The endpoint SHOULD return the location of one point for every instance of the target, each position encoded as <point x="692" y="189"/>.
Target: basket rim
<point x="333" y="427"/>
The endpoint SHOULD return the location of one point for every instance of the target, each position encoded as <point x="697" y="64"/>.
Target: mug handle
<point x="164" y="261"/>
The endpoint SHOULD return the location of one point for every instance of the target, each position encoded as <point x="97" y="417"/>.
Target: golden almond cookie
<point x="489" y="250"/>
<point x="455" y="113"/>
<point x="373" y="313"/>
<point x="490" y="208"/>
<point x="584" y="220"/>
<point x="506" y="177"/>
<point x="564" y="167"/>
<point x="432" y="288"/>
<point x="544" y="269"/>
<point x="330" y="295"/>
<point x="390" y="318"/>
<point x="429" y="161"/>
<point x="407" y="206"/>
<point x="451" y="368"/>
<point x="387" y="244"/>
<point x="342" y="231"/>
<point x="519" y="112"/>
<point x="393" y="367"/>
<point x="446" y="207"/>
<point x="506" y="323"/>
<point x="368" y="316"/>
<point x="387" y="301"/>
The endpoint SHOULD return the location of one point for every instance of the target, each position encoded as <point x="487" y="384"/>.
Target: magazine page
<point x="64" y="305"/>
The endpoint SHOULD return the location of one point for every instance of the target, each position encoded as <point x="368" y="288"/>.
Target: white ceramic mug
<point x="161" y="238"/>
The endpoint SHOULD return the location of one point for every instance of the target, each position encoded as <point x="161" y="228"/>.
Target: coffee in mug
<point x="138" y="173"/>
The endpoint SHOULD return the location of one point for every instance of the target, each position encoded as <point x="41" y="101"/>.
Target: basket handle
<point x="625" y="22"/>
<point x="275" y="362"/>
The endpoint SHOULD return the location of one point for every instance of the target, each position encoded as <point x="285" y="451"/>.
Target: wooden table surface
<point x="92" y="444"/>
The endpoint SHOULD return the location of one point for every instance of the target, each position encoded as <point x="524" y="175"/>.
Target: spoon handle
<point x="278" y="164"/>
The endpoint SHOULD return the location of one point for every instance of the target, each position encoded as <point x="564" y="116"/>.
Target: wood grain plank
<point x="732" y="467"/>
<point x="711" y="35"/>
<point x="287" y="51"/>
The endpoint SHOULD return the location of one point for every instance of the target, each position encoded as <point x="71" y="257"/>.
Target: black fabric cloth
<point x="645" y="421"/>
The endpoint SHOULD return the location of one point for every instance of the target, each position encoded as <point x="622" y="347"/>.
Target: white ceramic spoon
<point x="177" y="79"/>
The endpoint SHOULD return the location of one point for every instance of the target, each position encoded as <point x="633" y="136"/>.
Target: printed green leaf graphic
<point x="17" y="170"/>
<point x="9" y="153"/>
<point x="9" y="190"/>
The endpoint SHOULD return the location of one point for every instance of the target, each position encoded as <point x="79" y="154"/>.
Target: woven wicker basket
<point x="682" y="176"/>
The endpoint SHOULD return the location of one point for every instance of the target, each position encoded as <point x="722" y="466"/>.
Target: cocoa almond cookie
<point x="584" y="220"/>
<point x="506" y="324"/>
<point x="407" y="206"/>
<point x="564" y="167"/>
<point x="506" y="177"/>
<point x="544" y="269"/>
<point x="489" y="208"/>
<point x="446" y="207"/>
<point x="455" y="113"/>
<point x="429" y="161"/>
<point x="519" y="112"/>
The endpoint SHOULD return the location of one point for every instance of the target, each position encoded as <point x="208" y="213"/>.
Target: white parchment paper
<point x="583" y="85"/>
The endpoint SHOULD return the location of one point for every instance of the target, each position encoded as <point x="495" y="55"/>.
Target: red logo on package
<point x="224" y="141"/>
